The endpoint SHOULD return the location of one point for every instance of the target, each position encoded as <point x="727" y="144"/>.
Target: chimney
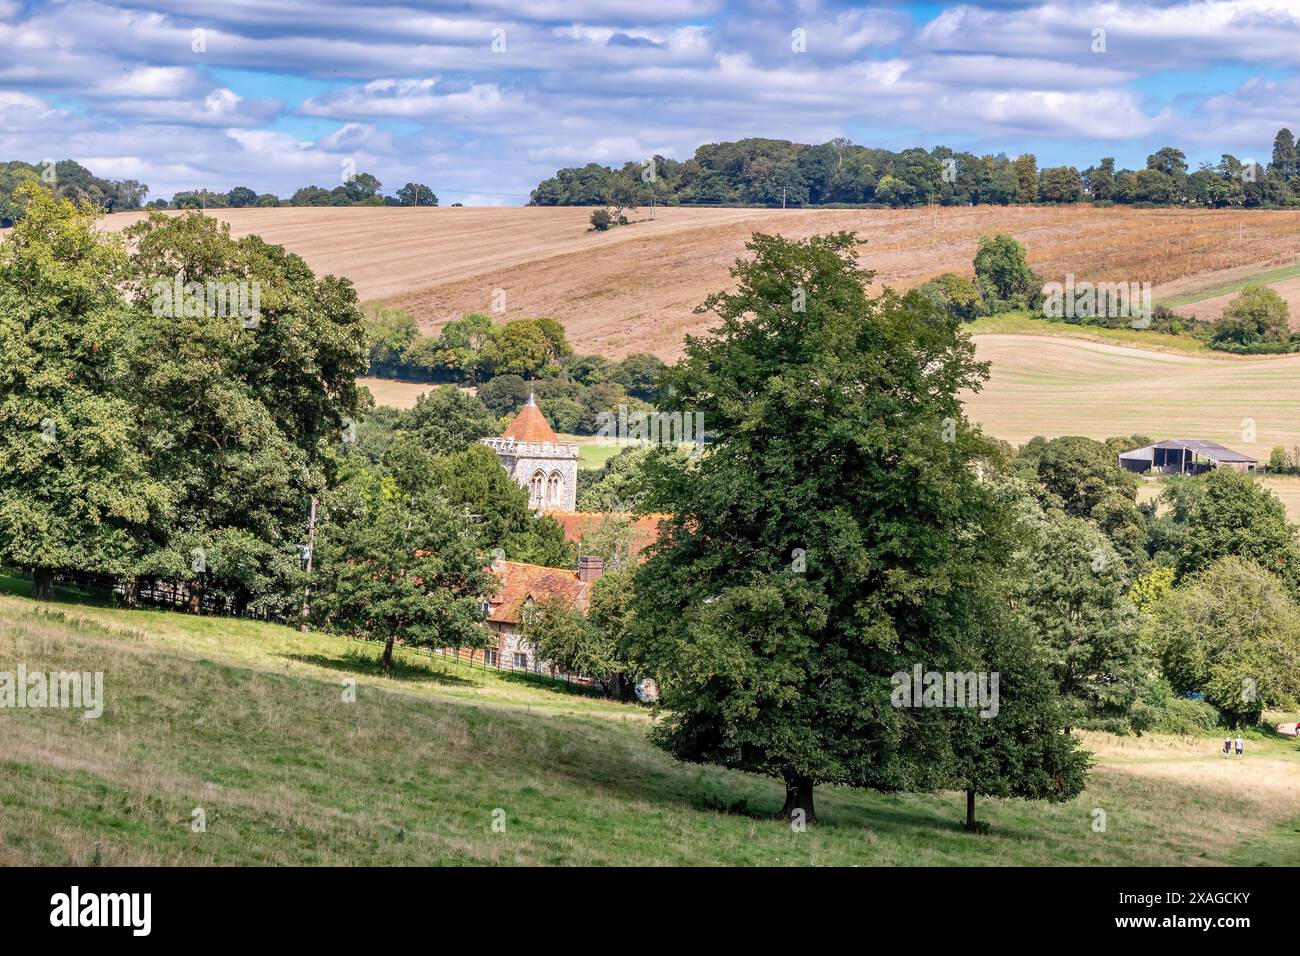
<point x="590" y="567"/>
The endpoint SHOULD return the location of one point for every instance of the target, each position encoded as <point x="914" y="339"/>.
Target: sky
<point x="481" y="99"/>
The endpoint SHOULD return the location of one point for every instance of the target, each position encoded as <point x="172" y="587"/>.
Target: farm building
<point x="1184" y="456"/>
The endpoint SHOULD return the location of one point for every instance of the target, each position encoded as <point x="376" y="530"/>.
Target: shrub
<point x="1185" y="716"/>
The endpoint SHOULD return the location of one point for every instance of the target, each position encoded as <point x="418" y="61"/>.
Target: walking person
<point x="1241" y="745"/>
<point x="1227" y="746"/>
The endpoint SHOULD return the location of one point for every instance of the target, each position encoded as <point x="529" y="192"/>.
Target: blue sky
<point x="481" y="99"/>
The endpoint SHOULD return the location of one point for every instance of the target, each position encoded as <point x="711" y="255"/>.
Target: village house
<point x="523" y="587"/>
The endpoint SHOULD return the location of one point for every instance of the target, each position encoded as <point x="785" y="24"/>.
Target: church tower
<point x="536" y="459"/>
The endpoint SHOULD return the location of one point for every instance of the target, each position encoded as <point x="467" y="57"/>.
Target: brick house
<point x="522" y="586"/>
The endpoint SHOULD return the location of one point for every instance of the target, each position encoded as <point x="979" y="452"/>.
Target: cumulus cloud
<point x="480" y="99"/>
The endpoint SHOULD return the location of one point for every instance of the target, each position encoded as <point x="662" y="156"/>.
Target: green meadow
<point x="250" y="724"/>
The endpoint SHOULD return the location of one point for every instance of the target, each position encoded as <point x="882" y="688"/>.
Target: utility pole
<point x="311" y="549"/>
<point x="782" y="197"/>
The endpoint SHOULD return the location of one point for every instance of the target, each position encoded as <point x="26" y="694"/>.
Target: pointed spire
<point x="530" y="424"/>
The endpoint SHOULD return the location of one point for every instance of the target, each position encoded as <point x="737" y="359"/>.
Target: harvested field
<point x="633" y="289"/>
<point x="1056" y="386"/>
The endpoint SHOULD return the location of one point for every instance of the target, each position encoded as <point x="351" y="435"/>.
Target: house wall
<point x="508" y="641"/>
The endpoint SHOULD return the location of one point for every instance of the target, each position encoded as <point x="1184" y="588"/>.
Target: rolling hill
<point x="633" y="289"/>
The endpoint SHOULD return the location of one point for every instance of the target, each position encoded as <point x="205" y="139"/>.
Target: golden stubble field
<point x="1041" y="385"/>
<point x="634" y="288"/>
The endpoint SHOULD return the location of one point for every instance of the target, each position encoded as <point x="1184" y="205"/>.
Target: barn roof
<point x="1206" y="449"/>
<point x="530" y="425"/>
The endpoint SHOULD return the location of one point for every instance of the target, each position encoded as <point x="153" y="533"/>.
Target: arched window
<point x="537" y="490"/>
<point x="555" y="489"/>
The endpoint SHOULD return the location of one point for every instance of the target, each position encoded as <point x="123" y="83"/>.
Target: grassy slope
<point x="1024" y="323"/>
<point x="1264" y="277"/>
<point x="246" y="720"/>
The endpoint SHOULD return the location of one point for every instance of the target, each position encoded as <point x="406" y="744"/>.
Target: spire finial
<point x="530" y="398"/>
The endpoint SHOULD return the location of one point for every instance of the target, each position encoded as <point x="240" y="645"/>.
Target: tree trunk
<point x="43" y="584"/>
<point x="387" y="659"/>
<point x="131" y="592"/>
<point x="196" y="597"/>
<point x="970" y="809"/>
<point x="799" y="796"/>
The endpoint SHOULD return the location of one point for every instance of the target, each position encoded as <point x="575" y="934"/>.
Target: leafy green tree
<point x="1100" y="181"/>
<point x="310" y="196"/>
<point x="563" y="414"/>
<point x="639" y="374"/>
<point x="557" y="340"/>
<point x="623" y="192"/>
<point x="241" y="196"/>
<point x="782" y="597"/>
<point x="390" y="333"/>
<point x="1153" y="186"/>
<point x="1232" y="632"/>
<point x="76" y="490"/>
<point x="1286" y="158"/>
<point x="1026" y="169"/>
<point x="589" y="369"/>
<point x="446" y="420"/>
<point x="1080" y="473"/>
<point x="474" y="481"/>
<point x="393" y="566"/>
<point x="589" y="645"/>
<point x="416" y="194"/>
<point x="1151" y="587"/>
<point x="1002" y="270"/>
<point x="504" y="394"/>
<point x="1230" y="514"/>
<point x="361" y="187"/>
<point x="619" y="485"/>
<point x="239" y="404"/>
<point x="1019" y="751"/>
<point x="1169" y="162"/>
<point x="612" y="538"/>
<point x="957" y="296"/>
<point x="1257" y="314"/>
<point x="13" y="175"/>
<point x="1073" y="592"/>
<point x="461" y="343"/>
<point x="1060" y="184"/>
<point x="522" y="347"/>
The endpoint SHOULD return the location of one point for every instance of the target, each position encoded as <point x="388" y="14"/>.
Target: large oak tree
<point x="825" y="539"/>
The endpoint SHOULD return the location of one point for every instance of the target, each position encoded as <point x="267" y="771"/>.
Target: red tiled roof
<point x="645" y="528"/>
<point x="530" y="425"/>
<point x="520" y="582"/>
